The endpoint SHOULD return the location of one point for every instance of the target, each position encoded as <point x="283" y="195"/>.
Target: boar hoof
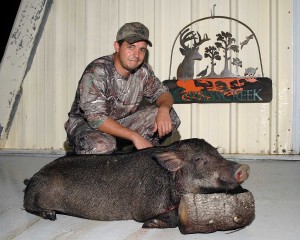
<point x="155" y="223"/>
<point x="51" y="215"/>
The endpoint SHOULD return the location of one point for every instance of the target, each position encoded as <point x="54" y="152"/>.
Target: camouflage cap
<point x="133" y="32"/>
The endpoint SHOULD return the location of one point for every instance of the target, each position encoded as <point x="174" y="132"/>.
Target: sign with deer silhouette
<point x="222" y="77"/>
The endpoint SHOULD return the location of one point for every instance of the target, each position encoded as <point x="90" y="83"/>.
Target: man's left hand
<point x="163" y="123"/>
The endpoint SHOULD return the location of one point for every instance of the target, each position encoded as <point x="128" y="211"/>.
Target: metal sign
<point x="208" y="85"/>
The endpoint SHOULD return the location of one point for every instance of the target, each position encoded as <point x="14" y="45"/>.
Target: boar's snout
<point x="242" y="173"/>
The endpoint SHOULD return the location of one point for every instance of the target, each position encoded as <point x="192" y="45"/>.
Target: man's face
<point x="132" y="55"/>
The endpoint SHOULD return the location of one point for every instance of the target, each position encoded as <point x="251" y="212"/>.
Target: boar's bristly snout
<point x="242" y="173"/>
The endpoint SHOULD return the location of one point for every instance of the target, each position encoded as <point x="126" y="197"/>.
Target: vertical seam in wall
<point x="296" y="77"/>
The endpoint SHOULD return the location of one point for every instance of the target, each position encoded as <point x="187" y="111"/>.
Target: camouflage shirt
<point x="102" y="92"/>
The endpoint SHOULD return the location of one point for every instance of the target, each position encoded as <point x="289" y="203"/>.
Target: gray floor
<point x="274" y="184"/>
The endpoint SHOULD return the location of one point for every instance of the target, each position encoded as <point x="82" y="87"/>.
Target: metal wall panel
<point x="78" y="31"/>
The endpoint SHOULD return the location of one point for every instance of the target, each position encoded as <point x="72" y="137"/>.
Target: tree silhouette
<point x="237" y="62"/>
<point x="226" y="42"/>
<point x="212" y="53"/>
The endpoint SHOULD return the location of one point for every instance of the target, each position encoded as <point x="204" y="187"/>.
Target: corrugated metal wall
<point x="78" y="31"/>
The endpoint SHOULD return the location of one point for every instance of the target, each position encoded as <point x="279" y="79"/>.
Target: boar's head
<point x="199" y="168"/>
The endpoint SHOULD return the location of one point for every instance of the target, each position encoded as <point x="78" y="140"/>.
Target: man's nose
<point x="136" y="52"/>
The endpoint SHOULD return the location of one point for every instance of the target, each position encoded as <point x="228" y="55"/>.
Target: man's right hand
<point x="113" y="128"/>
<point x="139" y="142"/>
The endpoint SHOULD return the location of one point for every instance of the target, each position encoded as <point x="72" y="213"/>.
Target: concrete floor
<point x="274" y="184"/>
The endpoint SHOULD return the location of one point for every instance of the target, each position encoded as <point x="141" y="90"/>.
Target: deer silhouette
<point x="185" y="69"/>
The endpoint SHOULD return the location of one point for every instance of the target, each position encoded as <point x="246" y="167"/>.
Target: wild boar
<point x="144" y="185"/>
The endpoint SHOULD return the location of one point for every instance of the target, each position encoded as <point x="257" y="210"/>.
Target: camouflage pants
<point x="86" y="140"/>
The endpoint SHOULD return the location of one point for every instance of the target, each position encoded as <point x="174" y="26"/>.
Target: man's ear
<point x="116" y="46"/>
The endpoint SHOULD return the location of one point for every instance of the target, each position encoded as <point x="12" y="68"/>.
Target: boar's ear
<point x="171" y="160"/>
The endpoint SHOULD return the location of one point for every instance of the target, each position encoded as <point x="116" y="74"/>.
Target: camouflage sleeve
<point x="154" y="87"/>
<point x="93" y="98"/>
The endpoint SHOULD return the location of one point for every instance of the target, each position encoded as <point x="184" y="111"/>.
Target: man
<point x="109" y="94"/>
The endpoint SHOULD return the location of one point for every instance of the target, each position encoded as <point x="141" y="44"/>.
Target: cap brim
<point x="134" y="39"/>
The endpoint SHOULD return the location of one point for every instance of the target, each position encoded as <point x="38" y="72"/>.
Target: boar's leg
<point x="51" y="215"/>
<point x="165" y="220"/>
<point x="46" y="214"/>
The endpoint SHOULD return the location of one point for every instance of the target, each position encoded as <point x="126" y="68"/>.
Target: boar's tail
<point x="26" y="181"/>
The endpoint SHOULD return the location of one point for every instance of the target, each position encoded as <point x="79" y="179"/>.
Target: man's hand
<point x="140" y="143"/>
<point x="113" y="128"/>
<point x="163" y="123"/>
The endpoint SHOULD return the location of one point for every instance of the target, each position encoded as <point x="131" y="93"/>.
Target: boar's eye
<point x="200" y="160"/>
